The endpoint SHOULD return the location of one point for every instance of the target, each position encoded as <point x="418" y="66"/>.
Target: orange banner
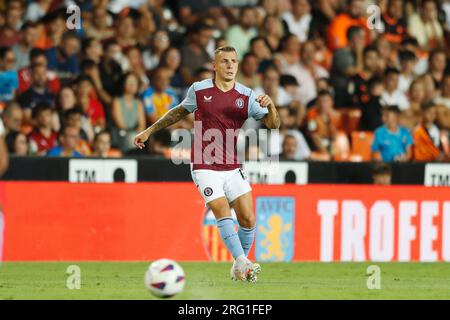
<point x="51" y="221"/>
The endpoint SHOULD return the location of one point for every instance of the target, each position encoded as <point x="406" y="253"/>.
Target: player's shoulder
<point x="203" y="84"/>
<point x="242" y="89"/>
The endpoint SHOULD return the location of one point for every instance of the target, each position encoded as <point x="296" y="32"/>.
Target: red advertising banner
<point x="51" y="221"/>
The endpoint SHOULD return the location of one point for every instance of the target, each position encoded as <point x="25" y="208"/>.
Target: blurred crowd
<point x="353" y="80"/>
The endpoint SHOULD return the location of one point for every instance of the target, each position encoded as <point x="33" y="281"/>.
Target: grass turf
<point x="124" y="280"/>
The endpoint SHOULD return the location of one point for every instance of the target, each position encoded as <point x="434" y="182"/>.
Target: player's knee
<point x="248" y="221"/>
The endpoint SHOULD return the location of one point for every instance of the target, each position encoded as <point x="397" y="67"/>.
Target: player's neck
<point x="224" y="85"/>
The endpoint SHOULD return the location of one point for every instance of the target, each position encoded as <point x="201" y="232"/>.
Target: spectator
<point x="271" y="87"/>
<point x="322" y="123"/>
<point x="17" y="143"/>
<point x="29" y="37"/>
<point x="128" y="112"/>
<point x="159" y="98"/>
<point x="55" y="27"/>
<point x="38" y="91"/>
<point x="391" y="94"/>
<point x="126" y="32"/>
<point x="412" y="116"/>
<point x="287" y="120"/>
<point x="37" y="57"/>
<point x="273" y="31"/>
<point x="75" y="118"/>
<point x="381" y="174"/>
<point x="239" y="35"/>
<point x="431" y="92"/>
<point x="299" y="19"/>
<point x="8" y="76"/>
<point x="394" y="24"/>
<point x="358" y="87"/>
<point x="248" y="71"/>
<point x="37" y="10"/>
<point x="347" y="62"/>
<point x="427" y="137"/>
<point x="259" y="47"/>
<point x="371" y="112"/>
<point x="288" y="59"/>
<point x="171" y="60"/>
<point x="425" y="26"/>
<point x="289" y="148"/>
<point x="92" y="49"/>
<point x="437" y="64"/>
<point x="110" y="67"/>
<point x="407" y="62"/>
<point x="63" y="58"/>
<point x="193" y="54"/>
<point x="102" y="146"/>
<point x="337" y="37"/>
<point x="158" y="44"/>
<point x="308" y="73"/>
<point x="43" y="137"/>
<point x="100" y="25"/>
<point x="392" y="142"/>
<point x="90" y="103"/>
<point x="90" y="69"/>
<point x="68" y="139"/>
<point x="136" y="66"/>
<point x="12" y="117"/>
<point x="9" y="31"/>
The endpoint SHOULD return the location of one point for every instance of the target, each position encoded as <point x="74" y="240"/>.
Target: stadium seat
<point x="350" y="118"/>
<point x="361" y="145"/>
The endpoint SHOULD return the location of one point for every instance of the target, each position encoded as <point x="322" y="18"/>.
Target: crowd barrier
<point x="145" y="169"/>
<point x="61" y="221"/>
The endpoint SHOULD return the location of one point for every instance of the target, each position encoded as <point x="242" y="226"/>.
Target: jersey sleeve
<point x="190" y="102"/>
<point x="254" y="108"/>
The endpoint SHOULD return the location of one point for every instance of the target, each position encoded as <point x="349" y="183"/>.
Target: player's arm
<point x="272" y="119"/>
<point x="172" y="116"/>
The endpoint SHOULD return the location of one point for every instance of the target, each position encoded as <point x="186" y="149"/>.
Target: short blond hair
<point x="224" y="49"/>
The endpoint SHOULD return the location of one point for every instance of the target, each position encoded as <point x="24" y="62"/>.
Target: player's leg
<point x="243" y="206"/>
<point x="238" y="192"/>
<point x="211" y="186"/>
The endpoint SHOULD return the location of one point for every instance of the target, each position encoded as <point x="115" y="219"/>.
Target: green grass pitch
<point x="124" y="280"/>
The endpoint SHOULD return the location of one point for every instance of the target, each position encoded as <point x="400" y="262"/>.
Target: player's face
<point x="226" y="65"/>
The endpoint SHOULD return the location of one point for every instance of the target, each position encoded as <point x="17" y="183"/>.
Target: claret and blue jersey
<point x="223" y="111"/>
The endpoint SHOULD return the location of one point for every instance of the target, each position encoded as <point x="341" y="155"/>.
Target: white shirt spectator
<point x="298" y="27"/>
<point x="404" y="83"/>
<point x="307" y="82"/>
<point x="397" y="98"/>
<point x="276" y="144"/>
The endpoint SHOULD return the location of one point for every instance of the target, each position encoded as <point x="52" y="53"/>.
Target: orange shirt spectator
<point x="353" y="16"/>
<point x="427" y="145"/>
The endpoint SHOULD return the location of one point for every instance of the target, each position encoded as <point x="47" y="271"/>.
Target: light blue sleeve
<point x="254" y="108"/>
<point x="190" y="102"/>
<point x="376" y="141"/>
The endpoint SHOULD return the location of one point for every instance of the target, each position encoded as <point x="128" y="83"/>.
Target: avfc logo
<point x="239" y="103"/>
<point x="275" y="233"/>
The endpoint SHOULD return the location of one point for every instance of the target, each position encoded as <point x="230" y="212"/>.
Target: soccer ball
<point x="164" y="278"/>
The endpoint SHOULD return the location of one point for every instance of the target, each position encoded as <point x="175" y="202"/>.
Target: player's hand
<point x="140" y="138"/>
<point x="264" y="100"/>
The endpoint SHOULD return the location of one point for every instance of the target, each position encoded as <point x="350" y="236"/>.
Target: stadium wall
<point x="144" y="169"/>
<point x="60" y="221"/>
